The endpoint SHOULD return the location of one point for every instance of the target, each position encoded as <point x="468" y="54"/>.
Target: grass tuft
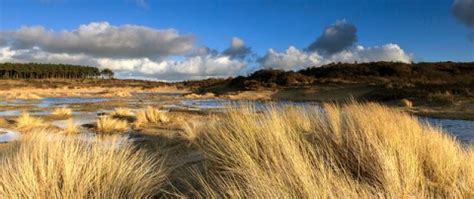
<point x="71" y="128"/>
<point x="25" y="122"/>
<point x="350" y="151"/>
<point x="62" y="112"/>
<point x="122" y="112"/>
<point x="43" y="166"/>
<point x="107" y="125"/>
<point x="150" y="115"/>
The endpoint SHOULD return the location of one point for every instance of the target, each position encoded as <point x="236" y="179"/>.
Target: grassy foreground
<point x="43" y="166"/>
<point x="360" y="151"/>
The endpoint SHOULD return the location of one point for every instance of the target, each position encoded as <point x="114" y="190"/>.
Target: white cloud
<point x="294" y="59"/>
<point x="144" y="52"/>
<point x="137" y="50"/>
<point x="100" y="39"/>
<point x="195" y="67"/>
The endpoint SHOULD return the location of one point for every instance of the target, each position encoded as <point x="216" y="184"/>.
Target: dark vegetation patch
<point x="270" y="79"/>
<point x="438" y="83"/>
<point x="440" y="72"/>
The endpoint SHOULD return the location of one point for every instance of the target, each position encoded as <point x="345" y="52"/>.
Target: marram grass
<point x="108" y="125"/>
<point x="62" y="112"/>
<point x="351" y="151"/>
<point x="42" y="166"/>
<point x="27" y="122"/>
<point x="150" y="115"/>
<point x="347" y="151"/>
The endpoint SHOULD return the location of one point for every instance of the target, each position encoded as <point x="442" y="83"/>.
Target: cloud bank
<point x="294" y="59"/>
<point x="335" y="44"/>
<point x="100" y="39"/>
<point x="164" y="54"/>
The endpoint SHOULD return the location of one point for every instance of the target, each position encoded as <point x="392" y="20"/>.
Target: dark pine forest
<point x="50" y="71"/>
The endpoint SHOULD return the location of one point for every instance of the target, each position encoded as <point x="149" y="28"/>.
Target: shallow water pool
<point x="463" y="130"/>
<point x="8" y="135"/>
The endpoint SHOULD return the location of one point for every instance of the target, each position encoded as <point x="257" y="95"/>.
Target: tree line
<point x="51" y="71"/>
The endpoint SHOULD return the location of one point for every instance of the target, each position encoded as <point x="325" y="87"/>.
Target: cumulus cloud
<point x="196" y="63"/>
<point x="197" y="67"/>
<point x="464" y="11"/>
<point x="336" y="44"/>
<point x="294" y="59"/>
<point x="100" y="39"/>
<point x="194" y="67"/>
<point x="237" y="49"/>
<point x="144" y="52"/>
<point x="335" y="38"/>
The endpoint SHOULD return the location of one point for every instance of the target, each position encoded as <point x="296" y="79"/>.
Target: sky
<point x="179" y="40"/>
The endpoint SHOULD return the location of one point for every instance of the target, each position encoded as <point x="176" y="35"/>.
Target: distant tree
<point x="109" y="74"/>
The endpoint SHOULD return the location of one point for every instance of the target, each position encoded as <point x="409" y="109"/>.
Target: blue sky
<point x="424" y="29"/>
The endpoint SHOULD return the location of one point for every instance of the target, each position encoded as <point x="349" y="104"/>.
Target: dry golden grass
<point x="62" y="112"/>
<point x="122" y="112"/>
<point x="109" y="125"/>
<point x="21" y="95"/>
<point x="71" y="128"/>
<point x="25" y="122"/>
<point x="51" y="167"/>
<point x="199" y="96"/>
<point x="406" y="103"/>
<point x="118" y="93"/>
<point x="3" y="123"/>
<point x="150" y="115"/>
<point x="347" y="151"/>
<point x="353" y="151"/>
